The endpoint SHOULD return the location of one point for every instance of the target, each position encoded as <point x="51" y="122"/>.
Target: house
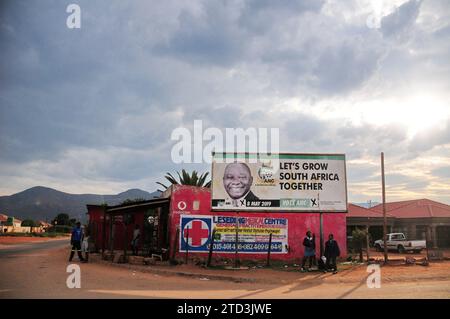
<point x="11" y="224"/>
<point x="17" y="223"/>
<point x="417" y="219"/>
<point x="44" y="226"/>
<point x="3" y="220"/>
<point x="360" y="217"/>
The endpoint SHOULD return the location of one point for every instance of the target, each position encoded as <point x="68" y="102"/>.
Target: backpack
<point x="320" y="264"/>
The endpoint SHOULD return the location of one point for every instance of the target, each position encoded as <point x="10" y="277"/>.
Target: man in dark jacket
<point x="309" y="242"/>
<point x="331" y="253"/>
<point x="75" y="241"/>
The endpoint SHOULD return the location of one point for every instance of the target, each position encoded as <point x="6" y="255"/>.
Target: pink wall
<point x="298" y="224"/>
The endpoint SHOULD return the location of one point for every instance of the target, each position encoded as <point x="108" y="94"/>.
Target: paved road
<point x="40" y="271"/>
<point x="33" y="247"/>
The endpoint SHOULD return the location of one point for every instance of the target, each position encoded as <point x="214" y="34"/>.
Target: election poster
<point x="279" y="182"/>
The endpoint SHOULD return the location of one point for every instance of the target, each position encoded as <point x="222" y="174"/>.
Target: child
<point x="135" y="241"/>
<point x="85" y="247"/>
<point x="310" y="250"/>
<point x="331" y="253"/>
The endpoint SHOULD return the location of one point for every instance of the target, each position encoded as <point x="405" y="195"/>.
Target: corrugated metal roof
<point x="147" y="203"/>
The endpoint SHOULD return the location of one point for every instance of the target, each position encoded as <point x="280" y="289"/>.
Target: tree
<point x="358" y="241"/>
<point x="29" y="223"/>
<point x="72" y="221"/>
<point x="62" y="219"/>
<point x="185" y="178"/>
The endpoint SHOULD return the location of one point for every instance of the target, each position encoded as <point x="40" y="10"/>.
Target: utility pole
<point x="321" y="227"/>
<point x="367" y="244"/>
<point x="384" y="210"/>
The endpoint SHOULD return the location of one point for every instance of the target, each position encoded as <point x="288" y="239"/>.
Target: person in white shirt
<point x="135" y="240"/>
<point x="85" y="246"/>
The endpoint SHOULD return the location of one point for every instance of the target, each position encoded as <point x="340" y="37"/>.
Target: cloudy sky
<point x="92" y="109"/>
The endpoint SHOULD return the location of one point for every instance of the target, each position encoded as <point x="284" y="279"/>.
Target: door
<point x="151" y="234"/>
<point x="443" y="236"/>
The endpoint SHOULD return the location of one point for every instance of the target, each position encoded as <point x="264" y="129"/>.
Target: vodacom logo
<point x="182" y="205"/>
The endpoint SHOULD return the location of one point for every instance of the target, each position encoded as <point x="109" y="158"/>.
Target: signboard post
<point x="279" y="182"/>
<point x="236" y="245"/>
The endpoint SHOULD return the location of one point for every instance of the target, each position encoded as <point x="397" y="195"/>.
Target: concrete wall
<point x="21" y="229"/>
<point x="298" y="224"/>
<point x="186" y="200"/>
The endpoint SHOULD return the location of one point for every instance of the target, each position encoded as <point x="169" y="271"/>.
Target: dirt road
<point x="39" y="271"/>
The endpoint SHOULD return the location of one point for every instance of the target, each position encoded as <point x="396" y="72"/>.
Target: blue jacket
<point x="77" y="234"/>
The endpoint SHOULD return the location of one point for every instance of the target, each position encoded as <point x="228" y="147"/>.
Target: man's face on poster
<point x="237" y="180"/>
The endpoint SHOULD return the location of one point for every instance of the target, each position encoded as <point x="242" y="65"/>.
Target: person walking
<point x="75" y="241"/>
<point x="309" y="242"/>
<point x="331" y="253"/>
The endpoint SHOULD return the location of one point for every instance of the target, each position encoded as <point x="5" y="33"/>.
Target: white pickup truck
<point x="398" y="242"/>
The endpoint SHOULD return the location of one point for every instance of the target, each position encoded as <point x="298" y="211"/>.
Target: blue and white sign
<point x="195" y="232"/>
<point x="254" y="234"/>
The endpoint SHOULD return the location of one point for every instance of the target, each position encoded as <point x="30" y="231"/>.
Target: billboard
<point x="279" y="182"/>
<point x="254" y="233"/>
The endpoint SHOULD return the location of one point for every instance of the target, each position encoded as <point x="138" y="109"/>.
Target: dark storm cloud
<point x="402" y="19"/>
<point x="256" y="15"/>
<point x="100" y="103"/>
<point x="67" y="88"/>
<point x="209" y="38"/>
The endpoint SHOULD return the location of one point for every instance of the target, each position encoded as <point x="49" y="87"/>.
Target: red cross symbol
<point x="198" y="233"/>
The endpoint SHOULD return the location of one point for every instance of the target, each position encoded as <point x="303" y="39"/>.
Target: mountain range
<point x="43" y="203"/>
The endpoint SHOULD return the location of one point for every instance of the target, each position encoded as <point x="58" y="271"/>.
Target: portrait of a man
<point x="237" y="181"/>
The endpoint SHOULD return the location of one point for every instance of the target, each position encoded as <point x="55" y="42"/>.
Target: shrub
<point x="60" y="229"/>
<point x="359" y="241"/>
<point x="29" y="223"/>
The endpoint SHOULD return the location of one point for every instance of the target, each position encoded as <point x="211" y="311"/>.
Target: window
<point x="397" y="237"/>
